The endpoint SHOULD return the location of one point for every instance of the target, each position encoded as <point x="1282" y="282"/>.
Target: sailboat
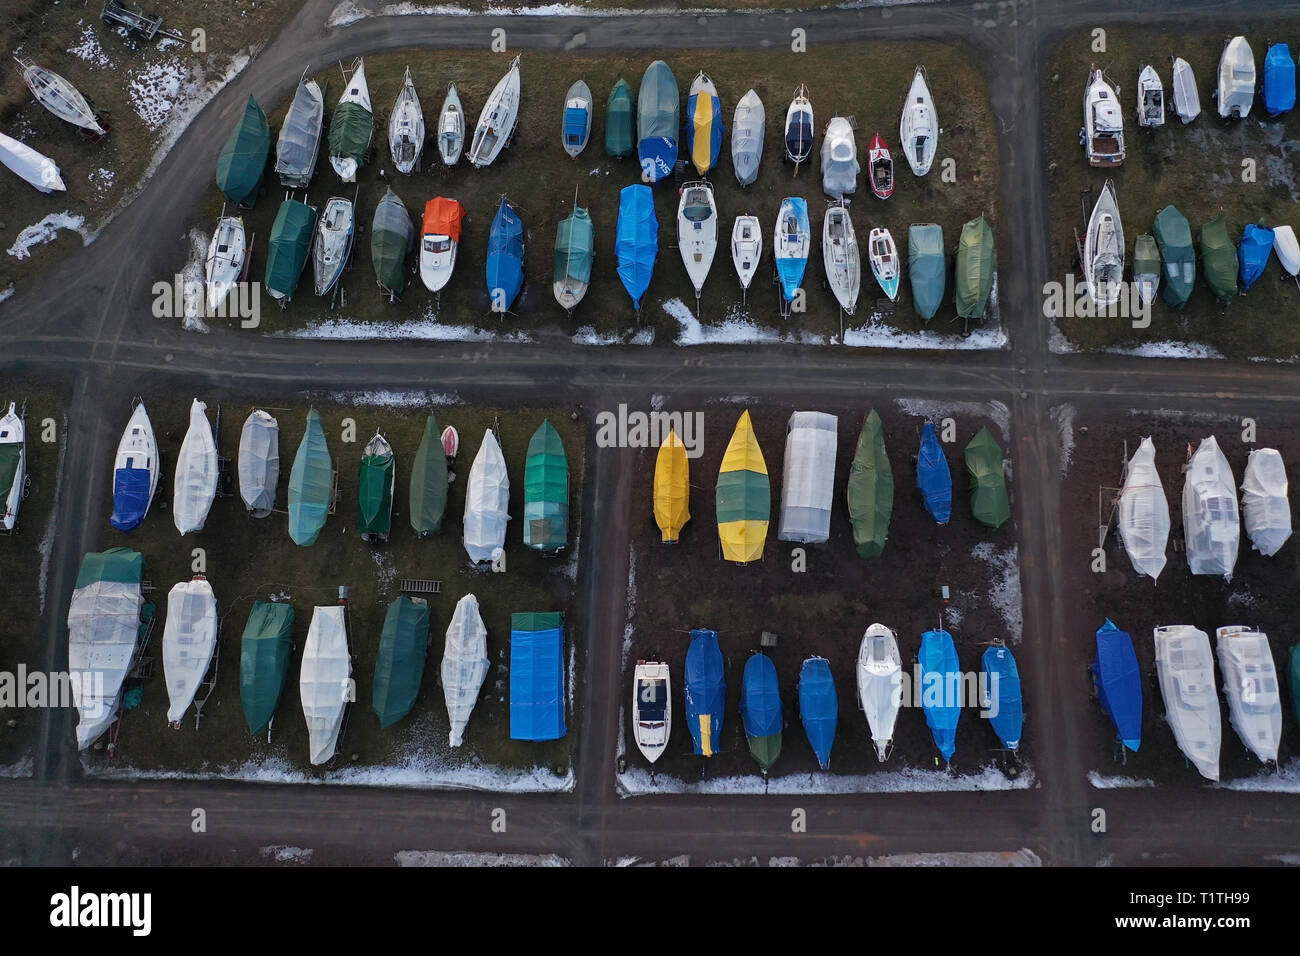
<point x="1287" y="248"/>
<point x="325" y="682"/>
<point x="1236" y="90"/>
<point x="352" y="126"/>
<point x="576" y="128"/>
<point x="1250" y="684"/>
<point x="760" y="710"/>
<point x="36" y="168"/>
<point x="13" y="464"/>
<point x="706" y="691"/>
<point x="496" y="124"/>
<point x="1265" y="505"/>
<point x="840" y="256"/>
<point x="439" y="240"/>
<point x="704" y="125"/>
<point x="375" y="485"/>
<point x="672" y="488"/>
<point x="1187" y="100"/>
<point x="1118" y="680"/>
<point x="1185" y="670"/>
<point x="428" y="485"/>
<point x="790" y="246"/>
<point x="1103" y="123"/>
<point x="135" y="472"/>
<point x="406" y="127"/>
<point x="941" y="670"/>
<point x="743" y="496"/>
<point x="1001" y="695"/>
<point x="575" y="240"/>
<point x="918" y="129"/>
<point x="196" y="473"/>
<point x="299" y="143"/>
<point x="487" y="502"/>
<point x="1103" y="250"/>
<point x="652" y="708"/>
<point x="189" y="641"/>
<point x="1211" y="526"/>
<point x="746" y="248"/>
<point x="505" y="258"/>
<point x="697" y="233"/>
<point x="465" y="665"/>
<point x="451" y="128"/>
<point x="880" y="168"/>
<point x="225" y="260"/>
<point x="885" y="264"/>
<point x="799" y="128"/>
<point x="334" y="233"/>
<point x="1151" y="98"/>
<point x="1144" y="512"/>
<point x="747" y="129"/>
<point x="259" y="462"/>
<point x="60" y="97"/>
<point x="818" y="707"/>
<point x="103" y="636"/>
<point x="880" y="685"/>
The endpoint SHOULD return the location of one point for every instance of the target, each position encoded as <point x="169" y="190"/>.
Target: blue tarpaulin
<point x="760" y="698"/>
<point x="933" y="477"/>
<point x="1002" y="687"/>
<point x="637" y="241"/>
<point x="1119" y="683"/>
<point x="1256" y="244"/>
<point x="704" y="119"/>
<point x="130" y="498"/>
<point x="505" y="260"/>
<point x="819" y="707"/>
<point x="791" y="269"/>
<point x="575" y="124"/>
<point x="536" y="677"/>
<point x="1279" y="79"/>
<point x="940" y="689"/>
<point x="705" y="690"/>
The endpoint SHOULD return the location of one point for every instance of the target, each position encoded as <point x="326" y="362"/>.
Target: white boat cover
<point x="325" y="682"/>
<point x="747" y="130"/>
<point x="1211" y="524"/>
<point x="1236" y="79"/>
<point x="13" y="431"/>
<point x="1185" y="668"/>
<point x="188" y="642"/>
<point x="839" y="159"/>
<point x="487" y="502"/>
<point x="808" y="478"/>
<point x="465" y="665"/>
<point x="37" y="168"/>
<point x="1250" y="684"/>
<point x="880" y="685"/>
<point x="196" y="473"/>
<point x="1264" y="502"/>
<point x="259" y="462"/>
<point x="103" y="627"/>
<point x="1144" y="513"/>
<point x="1187" y="99"/>
<point x="1287" y="248"/>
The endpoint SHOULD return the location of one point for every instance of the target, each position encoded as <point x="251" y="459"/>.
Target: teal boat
<point x="264" y="662"/>
<point x="399" y="666"/>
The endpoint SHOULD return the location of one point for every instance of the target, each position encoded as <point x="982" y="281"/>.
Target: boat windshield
<point x="436" y="244"/>
<point x="697" y="212"/>
<point x="652" y="698"/>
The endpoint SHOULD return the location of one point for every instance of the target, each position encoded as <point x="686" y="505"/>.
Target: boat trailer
<point x="142" y="24"/>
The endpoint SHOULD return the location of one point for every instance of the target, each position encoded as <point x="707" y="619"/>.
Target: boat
<point x="60" y="97"/>
<point x="1219" y="259"/>
<point x="840" y="256"/>
<point x="1000" y="695"/>
<point x="1278" y="89"/>
<point x="334" y="234"/>
<point x="36" y="168"/>
<point x="537" y="676"/>
<point x="870" y="489"/>
<point x="976" y="263"/>
<point x="505" y="258"/>
<point x="450" y="442"/>
<point x="697" y="232"/>
<point x="1236" y="89"/>
<point x="497" y="122"/>
<point x="652" y="708"/>
<point x="637" y="240"/>
<point x="760" y="710"/>
<point x="743" y="496"/>
<point x="658" y="122"/>
<point x="880" y="168"/>
<point x="299" y="141"/>
<point x="376" y="482"/>
<point x="884" y="261"/>
<point x="428" y="488"/>
<point x="1187" y="100"/>
<point x="1250" y="684"/>
<point x="1150" y="98"/>
<point x="1256" y="246"/>
<point x="933" y="478"/>
<point x="264" y="653"/>
<point x="242" y="160"/>
<point x="927" y="267"/>
<point x="1287" y="248"/>
<point x="351" y="126"/>
<point x="406" y="127"/>
<point x="546" y="491"/>
<point x="189" y="641"/>
<point x="746" y="248"/>
<point x="392" y="236"/>
<point x="439" y="239"/>
<point x="1174" y="237"/>
<point x="672" y="488"/>
<point x="259" y="462"/>
<point x="986" y="475"/>
<point x="135" y="472"/>
<point x="1118" y="680"/>
<point x="839" y="159"/>
<point x="13" y="465"/>
<point x="576" y="128"/>
<point x="1146" y="268"/>
<point x="1211" y="526"/>
<point x="225" y="261"/>
<point x="791" y="244"/>
<point x="1185" y="671"/>
<point x="799" y="128"/>
<point x="704" y="124"/>
<point x="451" y="127"/>
<point x="487" y="503"/>
<point x="940" y="690"/>
<point x="399" y="665"/>
<point x="575" y="242"/>
<point x="1293" y="680"/>
<point x="620" y="121"/>
<point x="1103" y="250"/>
<point x="1143" y="513"/>
<point x="748" y="127"/>
<point x="1103" y="123"/>
<point x="286" y="255"/>
<point x="706" y="691"/>
<point x="808" y="477"/>
<point x="197" y="468"/>
<point x="1265" y="505"/>
<point x="105" y="628"/>
<point x="311" y="484"/>
<point x="464" y="667"/>
<point x="325" y="682"/>
<point x="880" y="685"/>
<point x="918" y="129"/>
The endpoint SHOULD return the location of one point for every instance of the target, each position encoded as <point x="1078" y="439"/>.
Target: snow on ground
<point x="1185" y="415"/>
<point x="195" y="290"/>
<point x="101" y="181"/>
<point x="286" y="854"/>
<point x="156" y="89"/>
<point x="1287" y="859"/>
<point x="1169" y="349"/>
<point x="441" y="858"/>
<point x="638" y="781"/>
<point x="88" y="49"/>
<point x="23" y="768"/>
<point x="683" y="860"/>
<point x="938" y="410"/>
<point x="385" y="570"/>
<point x="877" y="336"/>
<point x="1284" y="780"/>
<point x="45" y="231"/>
<point x="1004" y="589"/>
<point x="1063" y="416"/>
<point x="629" y="630"/>
<point x="389" y="399"/>
<point x="1022" y="857"/>
<point x="47" y="540"/>
<point x="732" y="331"/>
<point x="7" y="293"/>
<point x="426" y="328"/>
<point x="1058" y="344"/>
<point x="1117" y="783"/>
<point x="587" y="335"/>
<point x="345" y="13"/>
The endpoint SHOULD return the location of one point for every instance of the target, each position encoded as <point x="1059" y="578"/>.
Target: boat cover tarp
<point x="1211" y="526"/>
<point x="325" y="680"/>
<point x="505" y="257"/>
<point x="1174" y="237"/>
<point x="392" y="236"/>
<point x="295" y="151"/>
<point x="11" y="455"/>
<point x="264" y="661"/>
<point x="1119" y="683"/>
<point x="870" y="489"/>
<point x="975" y="265"/>
<point x="747" y="131"/>
<point x="988" y="482"/>
<point x="940" y="689"/>
<point x="789" y="269"/>
<point x="442" y="217"/>
<point x="399" y="666"/>
<point x="130" y="497"/>
<point x="839" y="159"/>
<point x="36" y="168"/>
<point x="1264" y="502"/>
<point x="619" y="121"/>
<point x="1146" y="257"/>
<point x="799" y="134"/>
<point x="575" y="124"/>
<point x="658" y="121"/>
<point x="189" y="638"/>
<point x="429" y="481"/>
<point x="819" y="707"/>
<point x="351" y="126"/>
<point x="926" y="267"/>
<point x="1256" y="244"/>
<point x="672" y="488"/>
<point x="1002" y="685"/>
<point x="465" y="665"/>
<point x="546" y="491"/>
<point x="311" y="482"/>
<point x="706" y="691"/>
<point x="242" y="161"/>
<point x="375" y="493"/>
<point x="704" y="129"/>
<point x="933" y="478"/>
<point x="103" y="628"/>
<point x="760" y="709"/>
<point x="808" y="477"/>
<point x="487" y="502"/>
<point x="259" y="462"/>
<point x="286" y="253"/>
<point x="1279" y="79"/>
<point x="575" y="240"/>
<point x="637" y="240"/>
<point x="1219" y="258"/>
<point x="195" y="486"/>
<point x="1293" y="673"/>
<point x="537" y="676"/>
<point x="744" y="496"/>
<point x="1144" y="513"/>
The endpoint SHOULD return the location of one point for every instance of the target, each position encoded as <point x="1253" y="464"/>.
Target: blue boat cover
<point x="941" y="689"/>
<point x="1119" y="683"/>
<point x="537" y="684"/>
<point x="575" y="124"/>
<point x="505" y="260"/>
<point x="1007" y="714"/>
<point x="819" y="707"/>
<point x="716" y="128"/>
<point x="637" y="241"/>
<point x="706" y="688"/>
<point x="791" y="270"/>
<point x="799" y="136"/>
<point x="130" y="498"/>
<point x="658" y="122"/>
<point x="760" y="697"/>
<point x="1256" y="244"/>
<point x="933" y="477"/>
<point x="1279" y="79"/>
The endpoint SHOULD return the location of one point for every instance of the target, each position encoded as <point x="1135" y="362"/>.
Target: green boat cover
<point x="264" y="662"/>
<point x="870" y="489"/>
<point x="119" y="565"/>
<point x="988" y="483"/>
<point x="536" y="620"/>
<point x="9" y="456"/>
<point x="375" y="494"/>
<point x="310" y="484"/>
<point x="1174" y="237"/>
<point x="546" y="491"/>
<point x="976" y="260"/>
<point x="1295" y="680"/>
<point x="400" y="664"/>
<point x="350" y="130"/>
<point x="392" y="236"/>
<point x="575" y="238"/>
<point x="926" y="267"/>
<point x="286" y="253"/>
<point x="620" y="121"/>
<point x="429" y="482"/>
<point x="242" y="160"/>
<point x="1219" y="258"/>
<point x="1146" y="256"/>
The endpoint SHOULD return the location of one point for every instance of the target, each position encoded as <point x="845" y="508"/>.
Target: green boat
<point x="575" y="238"/>
<point x="264" y="662"/>
<point x="988" y="483"/>
<point x="399" y="667"/>
<point x="242" y="161"/>
<point x="311" y="484"/>
<point x="760" y="710"/>
<point x="926" y="267"/>
<point x="976" y="260"/>
<point x="1174" y="237"/>
<point x="1219" y="258"/>
<point x="870" y="489"/>
<point x="620" y="121"/>
<point x="286" y="253"/>
<point x="375" y="490"/>
<point x="429" y="482"/>
<point x="546" y="491"/>
<point x="351" y="126"/>
<point x="392" y="237"/>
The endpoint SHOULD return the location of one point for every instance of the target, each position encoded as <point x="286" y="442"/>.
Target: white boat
<point x="1187" y="100"/>
<point x="225" y="261"/>
<point x="1250" y="684"/>
<point x="298" y="145"/>
<point x="839" y="159"/>
<point x="697" y="232"/>
<point x="439" y="240"/>
<point x="575" y="129"/>
<point x="1185" y="669"/>
<point x="189" y="640"/>
<point x="59" y="97"/>
<point x="1103" y="122"/>
<point x="746" y="248"/>
<point x="1151" y="98"/>
<point x="465" y="665"/>
<point x="325" y="682"/>
<point x="496" y="124"/>
<point x="1288" y="249"/>
<point x="841" y="257"/>
<point x="195" y="485"/>
<point x="36" y="168"/>
<point x="799" y="128"/>
<point x="1146" y="257"/>
<point x="1211" y="526"/>
<point x="1144" y="512"/>
<point x="885" y="264"/>
<point x="652" y="709"/>
<point x="135" y="472"/>
<point x="880" y="168"/>
<point x="259" y="463"/>
<point x="791" y="243"/>
<point x="13" y="464"/>
<point x="103" y="637"/>
<point x="1103" y="250"/>
<point x="451" y="128"/>
<point x="918" y="130"/>
<point x="1236" y="90"/>
<point x="1265" y="505"/>
<point x="358" y="93"/>
<point x="747" y="129"/>
<point x="487" y="502"/>
<point x="334" y="233"/>
<point x="880" y="685"/>
<point x="406" y="127"/>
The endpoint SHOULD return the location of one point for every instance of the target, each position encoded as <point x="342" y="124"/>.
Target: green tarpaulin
<point x="975" y="264"/>
<point x="350" y="129"/>
<point x="375" y="493"/>
<point x="400" y="664"/>
<point x="1174" y="237"/>
<point x="620" y="113"/>
<point x="870" y="489"/>
<point x="926" y="267"/>
<point x="242" y="160"/>
<point x="1219" y="258"/>
<point x="311" y="484"/>
<point x="392" y="236"/>
<point x="264" y="661"/>
<point x="286" y="253"/>
<point x="9" y="456"/>
<point x="574" y="239"/>
<point x="988" y="484"/>
<point x="536" y="620"/>
<point x="429" y="482"/>
<point x="121" y="565"/>
<point x="546" y="491"/>
<point x="1295" y="681"/>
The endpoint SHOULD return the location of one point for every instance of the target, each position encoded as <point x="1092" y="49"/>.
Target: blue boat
<point x="1279" y="80"/>
<point x="933" y="477"/>
<point x="135" y="472"/>
<point x="658" y="122"/>
<point x="819" y="707"/>
<point x="505" y="259"/>
<point x="706" y="690"/>
<point x="1119" y="683"/>
<point x="760" y="710"/>
<point x="941" y="689"/>
<point x="704" y="124"/>
<point x="637" y="240"/>
<point x="1253" y="253"/>
<point x="1001" y="693"/>
<point x="790" y="245"/>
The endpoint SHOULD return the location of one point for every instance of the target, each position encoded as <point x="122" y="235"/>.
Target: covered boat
<point x="505" y="258"/>
<point x="497" y="122"/>
<point x="918" y="129"/>
<point x="439" y="240"/>
<point x="264" y="661"/>
<point x="885" y="265"/>
<point x="760" y="709"/>
<point x="880" y="685"/>
<point x="933" y="479"/>
<point x="672" y="488"/>
<point x="451" y="127"/>
<point x="406" y="127"/>
<point x="988" y="483"/>
<point x="104" y="625"/>
<point x="575" y="242"/>
<point x="189" y="640"/>
<point x="1288" y="249"/>
<point x="1264" y="502"/>
<point x="300" y="134"/>
<point x="195" y="485"/>
<point x="487" y="502"/>
<point x="325" y="682"/>
<point x="976" y="262"/>
<point x="790" y="246"/>
<point x="808" y="477"/>
<point x="1187" y="99"/>
<point x="840" y="256"/>
<point x="880" y="168"/>
<point x="259" y="462"/>
<point x="537" y="676"/>
<point x="1144" y="512"/>
<point x="799" y="128"/>
<point x="658" y="122"/>
<point x="36" y="168"/>
<point x="399" y="665"/>
<point x="465" y="665"/>
<point x="135" y="472"/>
<point x="376" y="482"/>
<point x="428" y="490"/>
<point x="940" y="689"/>
<point x="1174" y="237"/>
<point x="652" y="708"/>
<point x="839" y="159"/>
<point x="637" y="240"/>
<point x="746" y="248"/>
<point x="546" y="491"/>
<point x="575" y="130"/>
<point x="1293" y="679"/>
<point x="311" y="484"/>
<point x="1000" y="695"/>
<point x="1150" y="98"/>
<point x="60" y="97"/>
<point x="1256" y="245"/>
<point x="1279" y="80"/>
<point x="870" y="489"/>
<point x="286" y="253"/>
<point x="1103" y="250"/>
<point x="1103" y="123"/>
<point x="744" y="496"/>
<point x="392" y="235"/>
<point x="1118" y="681"/>
<point x="13" y="465"/>
<point x="926" y="267"/>
<point x="225" y="261"/>
<point x="697" y="232"/>
<point x="706" y="690"/>
<point x="1146" y="268"/>
<point x="1250" y="684"/>
<point x="1211" y="526"/>
<point x="242" y="160"/>
<point x="352" y="125"/>
<point x="620" y="121"/>
<point x="1219" y="259"/>
<point x="818" y="707"/>
<point x="1185" y="670"/>
<point x="748" y="127"/>
<point x="705" y="127"/>
<point x="334" y="234"/>
<point x="1236" y="89"/>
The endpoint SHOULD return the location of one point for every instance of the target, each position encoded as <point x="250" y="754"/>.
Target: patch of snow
<point x="1004" y="589"/>
<point x="88" y="49"/>
<point x="952" y="616"/>
<point x="682" y="860"/>
<point x="629" y="629"/>
<point x="1283" y="780"/>
<point x="1063" y="416"/>
<point x="1058" y="344"/>
<point x="442" y="858"/>
<point x="45" y="231"/>
<point x="1117" y="783"/>
<point x="345" y="13"/>
<point x="587" y="335"/>
<point x="783" y="861"/>
<point x="156" y="89"/>
<point x="939" y="410"/>
<point x="637" y="781"/>
<point x="1169" y="349"/>
<point x="286" y="854"/>
<point x="22" y="768"/>
<point x="657" y="401"/>
<point x="573" y="670"/>
<point x="47" y="540"/>
<point x="193" y="275"/>
<point x="101" y="181"/>
<point x="385" y="398"/>
<point x="1022" y="857"/>
<point x="7" y="293"/>
<point x="385" y="571"/>
<point x="427" y="328"/>
<point x="1287" y="859"/>
<point x="877" y="336"/>
<point x="731" y="331"/>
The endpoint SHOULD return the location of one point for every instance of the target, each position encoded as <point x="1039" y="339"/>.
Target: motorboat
<point x="880" y="168"/>
<point x="841" y="257"/>
<point x="652" y="709"/>
<point x="325" y="682"/>
<point x="439" y="239"/>
<point x="880" y="685"/>
<point x="406" y="127"/>
<point x="197" y="469"/>
<point x="747" y="129"/>
<point x="1144" y="513"/>
<point x="135" y="472"/>
<point x="575" y="129"/>
<point x="224" y="265"/>
<point x="376" y="482"/>
<point x="36" y="168"/>
<point x="1151" y="98"/>
<point x="1211" y="522"/>
<point x="1287" y="249"/>
<point x="451" y="128"/>
<point x="13" y="464"/>
<point x="885" y="264"/>
<point x="1103" y="250"/>
<point x="575" y="240"/>
<point x="465" y="666"/>
<point x="1103" y="123"/>
<point x="746" y="248"/>
<point x="1146" y="268"/>
<point x="1236" y="90"/>
<point x="918" y="130"/>
<point x="259" y="462"/>
<point x="697" y="232"/>
<point x="839" y="159"/>
<point x="1250" y="684"/>
<point x="818" y="707"/>
<point x="1187" y="99"/>
<point x="104" y="636"/>
<point x="334" y="234"/>
<point x="300" y="134"/>
<point x="1185" y="670"/>
<point x="497" y="122"/>
<point x="704" y="124"/>
<point x="487" y="503"/>
<point x="1265" y="503"/>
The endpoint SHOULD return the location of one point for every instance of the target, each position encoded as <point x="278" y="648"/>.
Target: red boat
<point x="881" y="168"/>
<point x="450" y="442"/>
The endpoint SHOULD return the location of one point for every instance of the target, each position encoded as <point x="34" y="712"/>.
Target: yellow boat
<point x="744" y="496"/>
<point x="672" y="488"/>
